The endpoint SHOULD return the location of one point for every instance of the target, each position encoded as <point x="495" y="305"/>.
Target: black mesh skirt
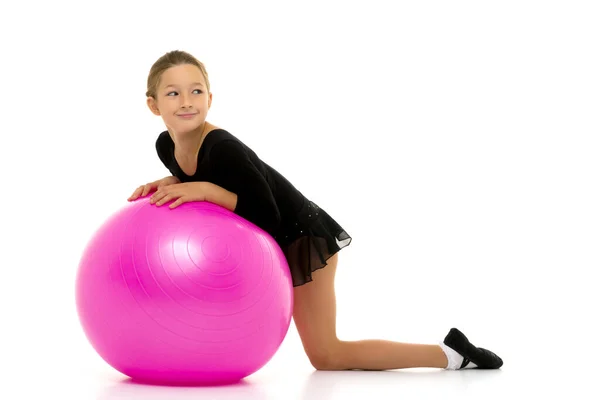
<point x="309" y="240"/>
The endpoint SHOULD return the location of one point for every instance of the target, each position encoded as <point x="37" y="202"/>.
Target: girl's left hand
<point x="182" y="192"/>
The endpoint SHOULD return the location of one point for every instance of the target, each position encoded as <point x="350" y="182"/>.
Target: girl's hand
<point x="181" y="193"/>
<point x="143" y="190"/>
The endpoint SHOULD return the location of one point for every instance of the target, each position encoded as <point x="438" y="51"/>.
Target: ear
<point x="152" y="106"/>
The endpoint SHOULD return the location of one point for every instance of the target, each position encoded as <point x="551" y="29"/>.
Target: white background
<point x="457" y="142"/>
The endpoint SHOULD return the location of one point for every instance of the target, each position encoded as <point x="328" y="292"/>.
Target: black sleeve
<point x="235" y="172"/>
<point x="162" y="150"/>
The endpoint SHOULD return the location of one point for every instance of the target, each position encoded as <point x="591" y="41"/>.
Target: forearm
<point x="220" y="196"/>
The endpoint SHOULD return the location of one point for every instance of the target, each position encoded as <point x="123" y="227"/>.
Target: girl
<point x="208" y="163"/>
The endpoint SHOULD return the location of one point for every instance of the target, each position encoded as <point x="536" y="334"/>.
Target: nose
<point x="185" y="101"/>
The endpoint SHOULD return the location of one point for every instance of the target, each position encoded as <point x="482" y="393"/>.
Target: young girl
<point x="208" y="163"/>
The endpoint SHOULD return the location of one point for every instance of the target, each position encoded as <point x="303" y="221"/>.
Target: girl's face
<point x="182" y="99"/>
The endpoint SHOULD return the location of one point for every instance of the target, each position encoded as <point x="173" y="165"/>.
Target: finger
<point x="146" y="189"/>
<point x="164" y="199"/>
<point x="177" y="203"/>
<point x="135" y="194"/>
<point x="155" y="197"/>
<point x="159" y="194"/>
<point x="138" y="191"/>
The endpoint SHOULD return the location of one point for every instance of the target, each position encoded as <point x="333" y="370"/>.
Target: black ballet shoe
<point x="483" y="358"/>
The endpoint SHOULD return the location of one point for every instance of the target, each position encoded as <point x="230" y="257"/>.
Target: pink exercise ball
<point x="190" y="295"/>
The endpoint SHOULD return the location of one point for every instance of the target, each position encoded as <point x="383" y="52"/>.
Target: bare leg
<point x="315" y="319"/>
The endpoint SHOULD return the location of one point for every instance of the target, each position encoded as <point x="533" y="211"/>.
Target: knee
<point x="326" y="358"/>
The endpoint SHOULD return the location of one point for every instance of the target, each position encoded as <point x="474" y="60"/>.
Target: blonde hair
<point x="168" y="60"/>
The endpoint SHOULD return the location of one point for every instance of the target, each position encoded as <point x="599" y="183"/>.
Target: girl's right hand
<point x="144" y="190"/>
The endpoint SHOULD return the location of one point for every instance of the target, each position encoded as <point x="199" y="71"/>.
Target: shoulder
<point x="163" y="140"/>
<point x="225" y="151"/>
<point x="164" y="135"/>
<point x="223" y="142"/>
<point x="164" y="147"/>
<point x="229" y="152"/>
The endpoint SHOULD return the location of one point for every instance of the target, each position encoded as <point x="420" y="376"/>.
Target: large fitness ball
<point x="190" y="295"/>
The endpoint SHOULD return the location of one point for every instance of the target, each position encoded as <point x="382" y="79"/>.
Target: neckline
<point x="200" y="150"/>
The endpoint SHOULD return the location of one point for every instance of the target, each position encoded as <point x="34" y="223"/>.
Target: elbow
<point x="275" y="221"/>
<point x="271" y="219"/>
<point x="264" y="214"/>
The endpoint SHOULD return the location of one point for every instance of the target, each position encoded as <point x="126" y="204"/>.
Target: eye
<point x="195" y="90"/>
